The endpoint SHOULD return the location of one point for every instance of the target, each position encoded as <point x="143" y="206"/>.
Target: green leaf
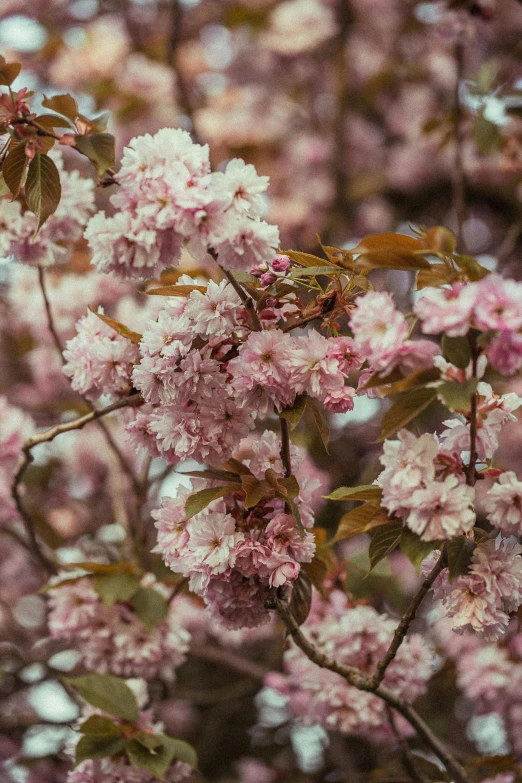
<point x="301" y="598"/>
<point x="364" y="492"/>
<point x="384" y="540"/>
<point x="118" y="327"/>
<point x="316" y="571"/>
<point x="14" y="168"/>
<point x="63" y="104"/>
<point x="460" y="551"/>
<point x="8" y="72"/>
<point x="107" y="693"/>
<point x="236" y="467"/>
<point x="311" y="271"/>
<point x="294" y="413"/>
<point x="291" y="486"/>
<point x="321" y="421"/>
<point x="116" y="587"/>
<point x="99" y="148"/>
<point x="150" y="606"/>
<point x="406" y="408"/>
<point x="390" y="251"/>
<point x="415" y="549"/>
<point x="255" y="490"/>
<point x="456" y="350"/>
<point x="457" y="396"/>
<point x="52" y="121"/>
<point x="416" y="380"/>
<point x="157" y="760"/>
<point x="95" y="746"/>
<point x="42" y="188"/>
<point x="361" y="520"/>
<point x="200" y="500"/>
<point x="175" y="290"/>
<point x="486" y="136"/>
<point x="100" y="725"/>
<point x="471" y="267"/>
<point x="304" y="259"/>
<point x="149" y="741"/>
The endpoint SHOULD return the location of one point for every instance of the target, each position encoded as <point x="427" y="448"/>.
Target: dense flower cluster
<point x="113" y="639"/>
<point x="355" y="636"/>
<point x="167" y="195"/>
<point x="233" y="554"/>
<point x="99" y="360"/>
<point x="381" y="335"/>
<point x="433" y="507"/>
<point x="492" y="305"/>
<point x="482" y="599"/>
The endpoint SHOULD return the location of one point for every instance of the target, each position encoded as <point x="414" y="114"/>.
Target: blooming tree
<point x="156" y="489"/>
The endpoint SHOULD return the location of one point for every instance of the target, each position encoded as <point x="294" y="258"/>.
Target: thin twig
<point x="230" y="660"/>
<point x="459" y="176"/>
<point x="50" y="320"/>
<point x="406" y="621"/>
<point x="26" y="459"/>
<point x="173" y="59"/>
<point x="285" y="446"/>
<point x="471" y="471"/>
<point x="77" y="424"/>
<point x="408" y="759"/>
<point x="361" y="681"/>
<point x="56" y="339"/>
<point x="301" y="322"/>
<point x="245" y="298"/>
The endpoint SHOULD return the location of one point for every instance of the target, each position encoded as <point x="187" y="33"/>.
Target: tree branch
<point x="406" y="621"/>
<point x="230" y="660"/>
<point x="285" y="446"/>
<point x="361" y="681"/>
<point x="26" y="459"/>
<point x="459" y="177"/>
<point x="408" y="760"/>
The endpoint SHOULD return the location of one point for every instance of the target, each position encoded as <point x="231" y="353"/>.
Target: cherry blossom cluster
<point x="204" y="375"/>
<point x="493" y="306"/>
<point x="381" y="336"/>
<point x="15" y="427"/>
<point x="482" y="599"/>
<point x="99" y="361"/>
<point x="354" y="635"/>
<point x="434" y="506"/>
<point x="233" y="554"/>
<point x="168" y="195"/>
<point x="64" y="228"/>
<point x="112" y="638"/>
<point x="120" y="770"/>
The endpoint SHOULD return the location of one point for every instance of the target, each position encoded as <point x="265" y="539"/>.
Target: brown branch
<point x="459" y="176"/>
<point x="361" y="681"/>
<point x="408" y="759"/>
<point x="300" y="322"/>
<point x="77" y="424"/>
<point x="285" y="446"/>
<point x="26" y="459"/>
<point x="173" y="42"/>
<point x="56" y="339"/>
<point x="50" y="320"/>
<point x="229" y="659"/>
<point x="245" y="298"/>
<point x="471" y="471"/>
<point x="406" y="621"/>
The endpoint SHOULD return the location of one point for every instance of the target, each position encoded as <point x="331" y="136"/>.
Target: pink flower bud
<point x="281" y="263"/>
